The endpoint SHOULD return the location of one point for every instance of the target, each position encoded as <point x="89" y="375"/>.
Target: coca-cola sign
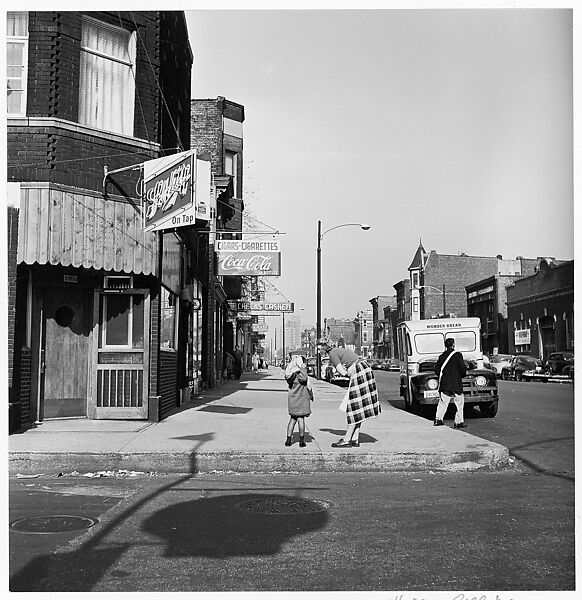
<point x="248" y="263"/>
<point x="169" y="185"/>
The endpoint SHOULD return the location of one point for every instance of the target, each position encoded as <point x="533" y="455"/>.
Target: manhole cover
<point x="281" y="505"/>
<point x="52" y="524"/>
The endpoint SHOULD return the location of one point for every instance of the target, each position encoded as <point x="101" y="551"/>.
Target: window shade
<point x="107" y="88"/>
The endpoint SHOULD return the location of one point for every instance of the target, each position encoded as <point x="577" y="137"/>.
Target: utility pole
<point x="444" y="302"/>
<point x="318" y="324"/>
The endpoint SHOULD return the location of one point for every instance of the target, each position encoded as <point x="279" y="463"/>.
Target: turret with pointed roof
<point x="419" y="258"/>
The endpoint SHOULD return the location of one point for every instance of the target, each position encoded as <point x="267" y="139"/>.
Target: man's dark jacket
<point x="453" y="373"/>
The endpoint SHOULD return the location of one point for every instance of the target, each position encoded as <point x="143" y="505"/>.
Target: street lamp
<point x="440" y="291"/>
<point x="320" y="235"/>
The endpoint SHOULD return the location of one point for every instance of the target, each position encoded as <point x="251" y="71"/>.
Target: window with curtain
<point x="16" y="62"/>
<point x="107" y="86"/>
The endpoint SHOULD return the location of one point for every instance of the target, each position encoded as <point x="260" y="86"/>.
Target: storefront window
<point x="168" y="320"/>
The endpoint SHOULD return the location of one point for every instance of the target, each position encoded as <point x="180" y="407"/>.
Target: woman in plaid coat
<point x="362" y="396"/>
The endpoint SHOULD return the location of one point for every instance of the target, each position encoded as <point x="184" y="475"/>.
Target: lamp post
<point x="438" y="290"/>
<point x="320" y="235"/>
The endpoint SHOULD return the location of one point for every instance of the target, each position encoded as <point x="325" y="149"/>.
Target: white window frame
<point x="174" y="347"/>
<point x="23" y="41"/>
<point x="232" y="162"/>
<point x="129" y="345"/>
<point x="103" y="119"/>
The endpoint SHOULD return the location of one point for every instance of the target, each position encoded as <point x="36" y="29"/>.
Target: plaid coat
<point x="363" y="402"/>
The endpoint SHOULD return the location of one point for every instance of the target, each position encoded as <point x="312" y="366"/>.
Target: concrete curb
<point x="490" y="456"/>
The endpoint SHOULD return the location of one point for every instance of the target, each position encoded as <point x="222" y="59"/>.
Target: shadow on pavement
<point x="216" y="528"/>
<point x="82" y="569"/>
<point x="364" y="437"/>
<point x="213" y="527"/>
<point x="514" y="451"/>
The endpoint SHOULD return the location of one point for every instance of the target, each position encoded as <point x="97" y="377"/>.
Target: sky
<point x="453" y="127"/>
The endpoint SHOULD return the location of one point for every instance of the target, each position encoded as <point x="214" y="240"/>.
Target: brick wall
<point x="206" y="131"/>
<point x="75" y="158"/>
<point x="546" y="296"/>
<point x="12" y="262"/>
<point x="456" y="272"/>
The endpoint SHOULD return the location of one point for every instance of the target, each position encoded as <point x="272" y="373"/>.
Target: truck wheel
<point x="415" y="404"/>
<point x="407" y="402"/>
<point x="489" y="409"/>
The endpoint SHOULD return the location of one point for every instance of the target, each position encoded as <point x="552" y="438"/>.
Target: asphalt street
<point x="509" y="530"/>
<point x="535" y="422"/>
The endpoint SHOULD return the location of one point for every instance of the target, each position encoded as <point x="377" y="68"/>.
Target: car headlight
<point x="432" y="384"/>
<point x="480" y="381"/>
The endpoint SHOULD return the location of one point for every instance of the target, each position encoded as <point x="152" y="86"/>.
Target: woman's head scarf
<point x="296" y="363"/>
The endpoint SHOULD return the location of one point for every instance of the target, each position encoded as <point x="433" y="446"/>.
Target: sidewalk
<point x="240" y="426"/>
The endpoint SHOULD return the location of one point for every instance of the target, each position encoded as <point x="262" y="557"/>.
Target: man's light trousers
<point x="444" y="404"/>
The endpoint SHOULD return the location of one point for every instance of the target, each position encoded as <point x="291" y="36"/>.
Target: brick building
<point x="438" y="281"/>
<point x="390" y="332"/>
<point x="487" y="299"/>
<point x="340" y="331"/>
<point x="217" y="131"/>
<point x="381" y="328"/>
<point x="364" y="332"/>
<point x="96" y="304"/>
<point x="540" y="310"/>
<point x="403" y="301"/>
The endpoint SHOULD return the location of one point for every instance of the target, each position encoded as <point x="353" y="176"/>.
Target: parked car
<point x="392" y="364"/>
<point x="311" y="365"/>
<point x="498" y="361"/>
<point x="520" y="365"/>
<point x="329" y="373"/>
<point x="558" y="361"/>
<point x="376" y="364"/>
<point x="569" y="370"/>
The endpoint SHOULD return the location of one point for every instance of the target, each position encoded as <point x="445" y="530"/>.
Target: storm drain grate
<point x="282" y="505"/>
<point x="52" y="524"/>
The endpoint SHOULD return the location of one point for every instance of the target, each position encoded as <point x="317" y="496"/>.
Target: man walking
<point x="451" y="369"/>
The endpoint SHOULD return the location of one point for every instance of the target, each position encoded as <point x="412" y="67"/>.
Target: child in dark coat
<point x="299" y="397"/>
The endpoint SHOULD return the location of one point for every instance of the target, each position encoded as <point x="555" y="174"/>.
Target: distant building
<point x="389" y="339"/>
<point x="541" y="310"/>
<point x="364" y="332"/>
<point x="487" y="299"/>
<point x="292" y="332"/>
<point x="379" y="329"/>
<point x="403" y="300"/>
<point x="341" y="332"/>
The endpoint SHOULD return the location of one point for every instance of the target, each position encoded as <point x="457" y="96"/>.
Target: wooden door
<point x="66" y="349"/>
<point x="120" y="358"/>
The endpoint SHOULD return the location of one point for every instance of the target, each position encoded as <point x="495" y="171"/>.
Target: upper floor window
<point x="230" y="168"/>
<point x="107" y="86"/>
<point x="414" y="282"/>
<point x="16" y="62"/>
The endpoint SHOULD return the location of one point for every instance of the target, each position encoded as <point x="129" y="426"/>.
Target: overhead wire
<point x="159" y="87"/>
<point x="132" y="69"/>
